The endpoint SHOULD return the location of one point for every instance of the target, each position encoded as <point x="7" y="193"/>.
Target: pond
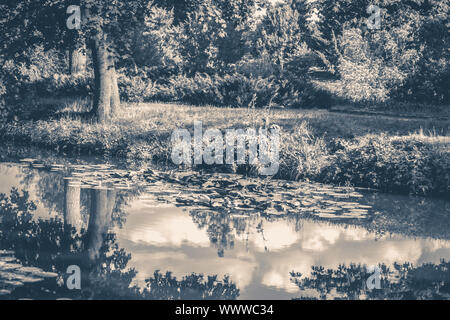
<point x="211" y="236"/>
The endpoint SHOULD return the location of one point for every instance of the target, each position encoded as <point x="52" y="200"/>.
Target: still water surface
<point x="116" y="227"/>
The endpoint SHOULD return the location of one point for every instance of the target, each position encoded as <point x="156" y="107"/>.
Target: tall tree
<point x="405" y="57"/>
<point x="103" y="28"/>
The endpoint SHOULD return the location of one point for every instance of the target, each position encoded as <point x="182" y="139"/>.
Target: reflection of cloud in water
<point x="275" y="279"/>
<point x="277" y="236"/>
<point x="11" y="177"/>
<point x="319" y="238"/>
<point x="180" y="264"/>
<point x="168" y="239"/>
<point x="357" y="234"/>
<point x="277" y="274"/>
<point x="165" y="227"/>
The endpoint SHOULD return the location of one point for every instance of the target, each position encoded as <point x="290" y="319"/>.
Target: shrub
<point x="23" y="83"/>
<point x="63" y="85"/>
<point x="302" y="155"/>
<point x="134" y="88"/>
<point x="391" y="164"/>
<point x="365" y="75"/>
<point x="240" y="91"/>
<point x="199" y="90"/>
<point x="235" y="90"/>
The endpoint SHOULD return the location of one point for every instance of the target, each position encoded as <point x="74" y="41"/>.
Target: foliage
<point x="307" y="53"/>
<point x="201" y="33"/>
<point x="365" y="75"/>
<point x="231" y="90"/>
<point x="156" y="45"/>
<point x="381" y="64"/>
<point x="18" y="80"/>
<point x="234" y="90"/>
<point x="392" y="164"/>
<point x="64" y="85"/>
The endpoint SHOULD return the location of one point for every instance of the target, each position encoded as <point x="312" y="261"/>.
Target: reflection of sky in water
<point x="12" y="177"/>
<point x="168" y="239"/>
<point x="259" y="262"/>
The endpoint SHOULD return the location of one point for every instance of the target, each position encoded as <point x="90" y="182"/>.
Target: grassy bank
<point x="391" y="154"/>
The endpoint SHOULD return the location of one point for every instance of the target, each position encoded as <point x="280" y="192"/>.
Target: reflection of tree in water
<point x="401" y="282"/>
<point x="223" y="227"/>
<point x="48" y="187"/>
<point x="33" y="243"/>
<point x="411" y="216"/>
<point x="219" y="226"/>
<point x="53" y="245"/>
<point x="50" y="190"/>
<point x="167" y="287"/>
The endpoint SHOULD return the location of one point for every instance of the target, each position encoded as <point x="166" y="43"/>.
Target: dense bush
<point x="17" y="93"/>
<point x="405" y="59"/>
<point x="302" y="156"/>
<point x="64" y="85"/>
<point x="214" y="57"/>
<point x="233" y="90"/>
<point x="364" y="75"/>
<point x="134" y="87"/>
<point x="392" y="164"/>
<point x="156" y="45"/>
<point x="19" y="81"/>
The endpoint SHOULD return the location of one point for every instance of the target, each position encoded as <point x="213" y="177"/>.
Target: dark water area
<point x="135" y="239"/>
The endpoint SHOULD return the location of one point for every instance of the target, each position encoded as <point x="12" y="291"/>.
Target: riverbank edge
<point x="392" y="164"/>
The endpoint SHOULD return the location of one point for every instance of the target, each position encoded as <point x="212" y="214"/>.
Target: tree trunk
<point x="102" y="79"/>
<point x="77" y="61"/>
<point x="106" y="91"/>
<point x="115" y="97"/>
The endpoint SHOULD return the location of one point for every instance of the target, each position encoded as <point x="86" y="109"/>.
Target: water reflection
<point x="399" y="282"/>
<point x="54" y="244"/>
<point x="121" y="236"/>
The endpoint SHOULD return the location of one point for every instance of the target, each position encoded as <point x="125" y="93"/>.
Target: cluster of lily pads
<point x="230" y="193"/>
<point x="237" y="195"/>
<point x="91" y="175"/>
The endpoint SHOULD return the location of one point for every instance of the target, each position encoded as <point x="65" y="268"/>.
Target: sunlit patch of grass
<point x="431" y="137"/>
